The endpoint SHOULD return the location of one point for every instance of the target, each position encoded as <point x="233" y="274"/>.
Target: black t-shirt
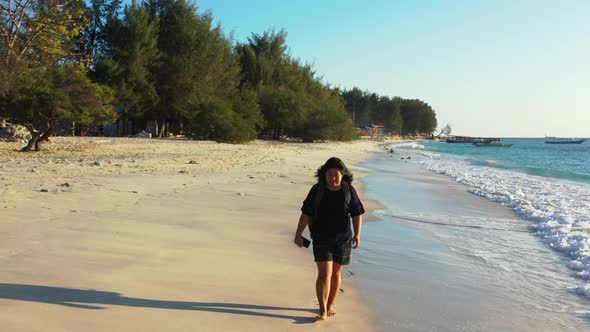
<point x="332" y="222"/>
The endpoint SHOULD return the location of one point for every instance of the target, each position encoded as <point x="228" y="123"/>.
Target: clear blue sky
<point x="489" y="68"/>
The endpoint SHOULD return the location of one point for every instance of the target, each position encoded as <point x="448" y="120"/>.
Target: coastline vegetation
<point x="93" y="63"/>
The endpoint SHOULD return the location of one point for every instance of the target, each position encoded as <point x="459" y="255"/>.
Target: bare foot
<point x="321" y="316"/>
<point x="331" y="311"/>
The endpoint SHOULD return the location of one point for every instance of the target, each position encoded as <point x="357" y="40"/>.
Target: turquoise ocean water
<point x="527" y="155"/>
<point x="479" y="238"/>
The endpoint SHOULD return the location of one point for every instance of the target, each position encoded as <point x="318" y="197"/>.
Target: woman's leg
<point x="322" y="286"/>
<point x="335" y="282"/>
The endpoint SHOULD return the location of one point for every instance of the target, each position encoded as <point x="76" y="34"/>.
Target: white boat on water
<point x="558" y="140"/>
<point x="494" y="144"/>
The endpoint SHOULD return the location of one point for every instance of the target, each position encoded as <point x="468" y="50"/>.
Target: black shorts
<point x="332" y="250"/>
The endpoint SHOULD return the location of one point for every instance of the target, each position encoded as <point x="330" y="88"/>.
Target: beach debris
<point x="192" y="162"/>
<point x="349" y="273"/>
<point x="65" y="184"/>
<point x="241" y="194"/>
<point x="341" y="290"/>
<point x="97" y="163"/>
<point x="44" y="190"/>
<point x="141" y="134"/>
<point x="15" y="133"/>
<point x="183" y="172"/>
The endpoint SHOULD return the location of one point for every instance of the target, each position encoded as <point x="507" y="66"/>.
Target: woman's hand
<point x="303" y="222"/>
<point x="356" y="241"/>
<point x="298" y="240"/>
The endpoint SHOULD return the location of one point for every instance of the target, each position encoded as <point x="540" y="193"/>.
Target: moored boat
<point x="496" y="144"/>
<point x="556" y="140"/>
<point x="470" y="140"/>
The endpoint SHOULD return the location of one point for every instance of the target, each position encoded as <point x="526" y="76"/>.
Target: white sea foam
<point x="414" y="148"/>
<point x="406" y="145"/>
<point x="559" y="211"/>
<point x="584" y="290"/>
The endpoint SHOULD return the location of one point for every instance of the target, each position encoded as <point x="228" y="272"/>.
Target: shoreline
<point x="181" y="231"/>
<point x="420" y="245"/>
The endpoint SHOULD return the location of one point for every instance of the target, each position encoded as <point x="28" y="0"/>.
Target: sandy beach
<point x="118" y="234"/>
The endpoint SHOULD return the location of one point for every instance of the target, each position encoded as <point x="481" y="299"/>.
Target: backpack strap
<point x="319" y="194"/>
<point x="347" y="196"/>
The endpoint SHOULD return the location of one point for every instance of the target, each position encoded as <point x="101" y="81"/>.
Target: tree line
<point x="97" y="62"/>
<point x="398" y="115"/>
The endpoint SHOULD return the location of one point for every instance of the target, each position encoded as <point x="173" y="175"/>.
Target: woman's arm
<point x="303" y="222"/>
<point x="357" y="225"/>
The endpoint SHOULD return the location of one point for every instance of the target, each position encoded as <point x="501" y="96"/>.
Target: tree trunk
<point x="44" y="136"/>
<point x="125" y="123"/>
<point x="162" y="129"/>
<point x="32" y="142"/>
<point x="37" y="137"/>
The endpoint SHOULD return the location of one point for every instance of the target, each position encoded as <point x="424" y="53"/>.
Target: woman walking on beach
<point x="328" y="209"/>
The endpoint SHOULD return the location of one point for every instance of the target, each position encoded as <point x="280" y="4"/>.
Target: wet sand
<point x="444" y="259"/>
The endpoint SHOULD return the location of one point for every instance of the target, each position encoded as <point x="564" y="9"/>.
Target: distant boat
<point x="557" y="140"/>
<point x="470" y="140"/>
<point x="495" y="144"/>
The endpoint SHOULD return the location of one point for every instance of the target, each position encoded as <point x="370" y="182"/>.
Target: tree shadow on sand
<point x="93" y="299"/>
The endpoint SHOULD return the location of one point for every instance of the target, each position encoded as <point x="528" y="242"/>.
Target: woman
<point x="327" y="210"/>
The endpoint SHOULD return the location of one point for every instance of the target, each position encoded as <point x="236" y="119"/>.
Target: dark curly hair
<point x="333" y="163"/>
